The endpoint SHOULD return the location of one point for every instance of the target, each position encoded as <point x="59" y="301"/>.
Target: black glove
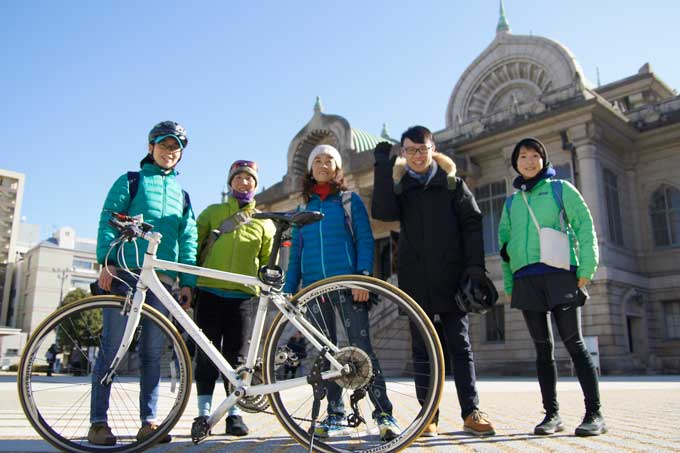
<point x="382" y="152"/>
<point x="504" y="253"/>
<point x="475" y="274"/>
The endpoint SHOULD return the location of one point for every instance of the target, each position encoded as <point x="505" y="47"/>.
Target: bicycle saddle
<point x="297" y="218"/>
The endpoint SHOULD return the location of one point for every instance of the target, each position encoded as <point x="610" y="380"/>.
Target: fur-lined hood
<point x="444" y="162"/>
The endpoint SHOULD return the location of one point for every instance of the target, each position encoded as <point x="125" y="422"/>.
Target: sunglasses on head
<point x="244" y="163"/>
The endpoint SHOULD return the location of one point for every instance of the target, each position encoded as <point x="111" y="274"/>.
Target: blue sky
<point x="82" y="82"/>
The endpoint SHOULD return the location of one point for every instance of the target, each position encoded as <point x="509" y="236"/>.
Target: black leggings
<point x="224" y="321"/>
<point x="568" y="320"/>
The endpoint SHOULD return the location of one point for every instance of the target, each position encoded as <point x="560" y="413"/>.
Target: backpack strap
<point x="347" y="207"/>
<point x="133" y="186"/>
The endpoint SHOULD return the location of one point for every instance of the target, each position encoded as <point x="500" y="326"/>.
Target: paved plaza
<point x="643" y="415"/>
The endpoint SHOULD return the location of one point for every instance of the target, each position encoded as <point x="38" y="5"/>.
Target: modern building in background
<point x="43" y="275"/>
<point x="11" y="195"/>
<point x="618" y="143"/>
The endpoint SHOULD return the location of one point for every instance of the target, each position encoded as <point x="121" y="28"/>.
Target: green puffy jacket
<point x="160" y="200"/>
<point x="241" y="251"/>
<point x="519" y="232"/>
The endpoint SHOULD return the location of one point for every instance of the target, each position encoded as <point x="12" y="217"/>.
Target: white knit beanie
<point x="324" y="149"/>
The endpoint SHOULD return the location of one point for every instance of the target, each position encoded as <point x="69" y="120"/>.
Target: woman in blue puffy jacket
<point x="342" y="243"/>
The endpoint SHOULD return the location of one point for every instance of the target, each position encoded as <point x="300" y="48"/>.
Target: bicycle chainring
<point x="253" y="403"/>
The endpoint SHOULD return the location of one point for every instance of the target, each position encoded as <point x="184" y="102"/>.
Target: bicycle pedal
<point x="199" y="429"/>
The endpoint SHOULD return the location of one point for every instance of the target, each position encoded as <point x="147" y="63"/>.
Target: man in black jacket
<point x="440" y="246"/>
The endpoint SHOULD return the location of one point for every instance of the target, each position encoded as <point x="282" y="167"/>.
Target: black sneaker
<point x="592" y="425"/>
<point x="551" y="424"/>
<point x="235" y="426"/>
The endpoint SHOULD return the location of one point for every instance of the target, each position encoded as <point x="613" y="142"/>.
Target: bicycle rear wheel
<point x="382" y="360"/>
<point x="58" y="407"/>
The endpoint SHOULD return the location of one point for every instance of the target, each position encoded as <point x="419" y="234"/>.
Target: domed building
<point x="618" y="143"/>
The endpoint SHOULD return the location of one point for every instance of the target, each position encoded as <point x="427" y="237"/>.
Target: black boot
<point x="235" y="426"/>
<point x="551" y="424"/>
<point x="592" y="425"/>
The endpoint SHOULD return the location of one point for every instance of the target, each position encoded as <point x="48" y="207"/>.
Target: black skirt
<point x="543" y="292"/>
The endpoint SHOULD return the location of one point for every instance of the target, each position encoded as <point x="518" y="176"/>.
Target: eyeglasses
<point x="413" y="150"/>
<point x="172" y="148"/>
<point x="244" y="163"/>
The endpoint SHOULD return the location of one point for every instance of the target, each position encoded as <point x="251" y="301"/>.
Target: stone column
<point x="590" y="181"/>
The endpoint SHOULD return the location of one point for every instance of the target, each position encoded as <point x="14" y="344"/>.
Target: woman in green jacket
<point x="229" y="240"/>
<point x="538" y="288"/>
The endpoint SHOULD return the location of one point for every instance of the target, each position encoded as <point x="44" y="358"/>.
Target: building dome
<point x="513" y="70"/>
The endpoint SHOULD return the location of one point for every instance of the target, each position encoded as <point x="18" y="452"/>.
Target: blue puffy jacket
<point x="160" y="200"/>
<point x="327" y="248"/>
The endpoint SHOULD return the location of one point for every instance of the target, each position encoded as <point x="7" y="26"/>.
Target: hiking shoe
<point x="388" y="427"/>
<point x="592" y="425"/>
<point x="476" y="423"/>
<point x="333" y="425"/>
<point x="235" y="426"/>
<point x="100" y="434"/>
<point x="430" y="431"/>
<point x="147" y="429"/>
<point x="551" y="424"/>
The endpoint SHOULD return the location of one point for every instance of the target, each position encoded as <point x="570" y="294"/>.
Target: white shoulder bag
<point x="555" y="248"/>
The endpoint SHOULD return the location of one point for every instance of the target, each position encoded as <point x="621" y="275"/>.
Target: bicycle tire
<point x="64" y="421"/>
<point x="293" y="413"/>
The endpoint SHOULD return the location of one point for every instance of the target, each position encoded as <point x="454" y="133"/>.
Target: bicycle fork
<point x="133" y="311"/>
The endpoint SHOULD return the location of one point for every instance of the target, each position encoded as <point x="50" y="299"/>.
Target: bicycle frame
<point x="148" y="280"/>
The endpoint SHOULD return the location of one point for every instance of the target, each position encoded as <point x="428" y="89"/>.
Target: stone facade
<point x="618" y="143"/>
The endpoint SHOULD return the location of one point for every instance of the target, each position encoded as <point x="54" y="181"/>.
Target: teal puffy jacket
<point x="160" y="200"/>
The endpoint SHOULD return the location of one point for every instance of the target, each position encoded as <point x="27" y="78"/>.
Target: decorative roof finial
<point x="503" y="25"/>
<point x="385" y="133"/>
<point x="318" y="108"/>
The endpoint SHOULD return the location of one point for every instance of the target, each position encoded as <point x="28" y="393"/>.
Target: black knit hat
<point x="533" y="143"/>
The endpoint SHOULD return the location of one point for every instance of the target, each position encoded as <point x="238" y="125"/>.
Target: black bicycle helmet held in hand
<point x="476" y="300"/>
<point x="169" y="128"/>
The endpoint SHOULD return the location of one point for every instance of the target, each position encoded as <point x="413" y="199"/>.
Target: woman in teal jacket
<point x="537" y="288"/>
<point x="155" y="193"/>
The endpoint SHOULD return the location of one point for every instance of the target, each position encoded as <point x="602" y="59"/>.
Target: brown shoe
<point x="476" y="423"/>
<point x="430" y="431"/>
<point x="100" y="434"/>
<point x="147" y="429"/>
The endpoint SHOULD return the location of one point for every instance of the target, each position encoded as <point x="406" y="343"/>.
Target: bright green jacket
<point x="241" y="251"/>
<point x="517" y="229"/>
<point x="160" y="200"/>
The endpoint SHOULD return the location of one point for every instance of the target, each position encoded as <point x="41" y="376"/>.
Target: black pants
<point x="568" y="320"/>
<point x="225" y="322"/>
<point x="455" y="326"/>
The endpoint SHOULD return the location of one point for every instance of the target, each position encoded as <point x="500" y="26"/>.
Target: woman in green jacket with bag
<point x="229" y="240"/>
<point x="549" y="251"/>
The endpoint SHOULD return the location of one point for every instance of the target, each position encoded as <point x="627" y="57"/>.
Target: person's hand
<point x="382" y="151"/>
<point x="106" y="277"/>
<point x="360" y="295"/>
<point x="583" y="282"/>
<point x="185" y="298"/>
<point x="508" y="298"/>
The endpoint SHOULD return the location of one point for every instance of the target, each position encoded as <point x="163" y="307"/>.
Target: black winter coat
<point x="441" y="231"/>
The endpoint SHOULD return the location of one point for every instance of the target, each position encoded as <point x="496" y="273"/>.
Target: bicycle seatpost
<point x="271" y="273"/>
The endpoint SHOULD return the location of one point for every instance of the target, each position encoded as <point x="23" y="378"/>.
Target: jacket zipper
<point x="323" y="264"/>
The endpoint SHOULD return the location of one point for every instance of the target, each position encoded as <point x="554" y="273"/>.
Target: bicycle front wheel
<point x="394" y="353"/>
<point x="61" y="407"/>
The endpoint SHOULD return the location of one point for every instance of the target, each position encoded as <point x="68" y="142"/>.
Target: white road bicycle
<point x="58" y="407"/>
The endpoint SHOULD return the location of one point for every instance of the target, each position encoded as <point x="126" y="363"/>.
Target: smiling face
<point x="529" y="162"/>
<point x="418" y="155"/>
<point x="324" y="168"/>
<point x="166" y="153"/>
<point x="243" y="182"/>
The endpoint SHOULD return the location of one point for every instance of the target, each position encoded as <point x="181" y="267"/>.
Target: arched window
<point x="665" y="213"/>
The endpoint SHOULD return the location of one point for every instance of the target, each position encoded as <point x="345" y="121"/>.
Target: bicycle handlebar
<point x="130" y="227"/>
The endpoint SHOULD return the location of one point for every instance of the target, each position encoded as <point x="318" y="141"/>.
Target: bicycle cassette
<point x="361" y="368"/>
